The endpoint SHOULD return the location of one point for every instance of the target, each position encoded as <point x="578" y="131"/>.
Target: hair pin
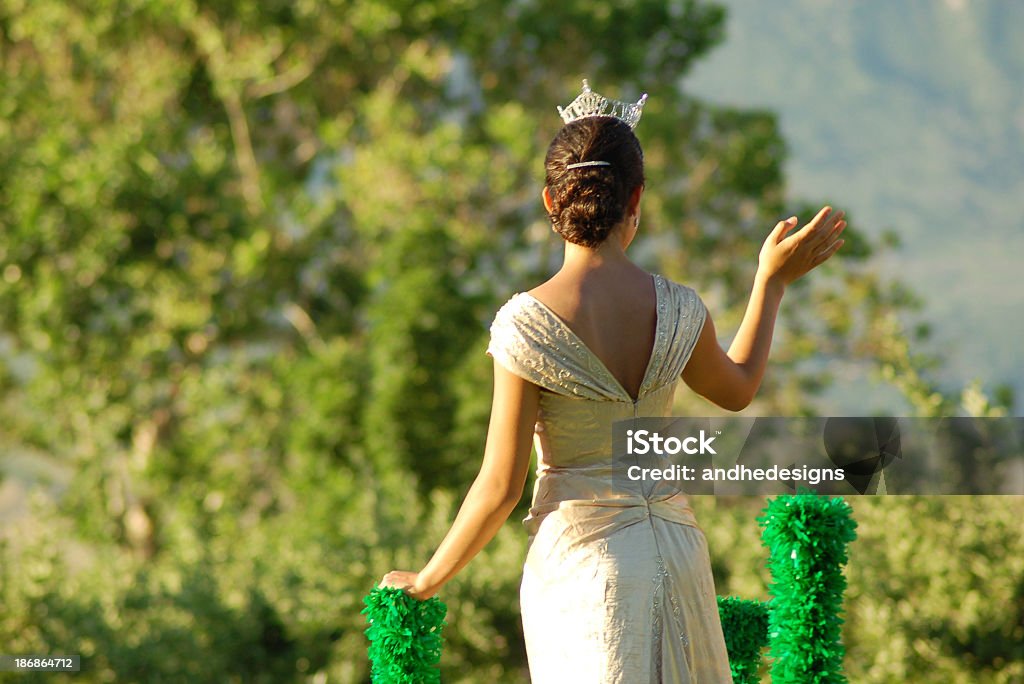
<point x="587" y="163"/>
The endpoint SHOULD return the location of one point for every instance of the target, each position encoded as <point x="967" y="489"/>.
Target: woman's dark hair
<point x="588" y="201"/>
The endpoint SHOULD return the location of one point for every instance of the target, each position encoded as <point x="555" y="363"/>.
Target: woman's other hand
<point x="407" y="582"/>
<point x="784" y="258"/>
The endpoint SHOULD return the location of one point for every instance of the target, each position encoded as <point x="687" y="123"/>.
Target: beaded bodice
<point x="581" y="399"/>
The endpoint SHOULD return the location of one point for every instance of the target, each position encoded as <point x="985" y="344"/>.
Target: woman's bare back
<point x="613" y="312"/>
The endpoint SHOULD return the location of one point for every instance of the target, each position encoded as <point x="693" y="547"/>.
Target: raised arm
<point x="494" y="493"/>
<point x="731" y="379"/>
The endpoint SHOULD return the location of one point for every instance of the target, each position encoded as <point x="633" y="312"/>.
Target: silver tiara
<point x="589" y="103"/>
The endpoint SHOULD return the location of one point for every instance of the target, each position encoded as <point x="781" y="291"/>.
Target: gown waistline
<point x="594" y="518"/>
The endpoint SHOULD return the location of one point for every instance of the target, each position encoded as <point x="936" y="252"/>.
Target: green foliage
<point x="745" y="625"/>
<point x="935" y="590"/>
<point x="807" y="537"/>
<point x="405" y="636"/>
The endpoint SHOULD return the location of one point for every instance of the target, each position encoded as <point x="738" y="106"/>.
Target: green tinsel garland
<point x="807" y="537"/>
<point x="405" y="637"/>
<point x="745" y="625"/>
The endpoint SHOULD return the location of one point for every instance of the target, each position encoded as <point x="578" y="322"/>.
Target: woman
<point x="617" y="583"/>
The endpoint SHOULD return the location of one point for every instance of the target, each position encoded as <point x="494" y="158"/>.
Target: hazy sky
<point x="910" y="116"/>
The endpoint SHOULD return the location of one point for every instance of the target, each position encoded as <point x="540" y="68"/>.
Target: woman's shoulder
<point x="521" y="317"/>
<point x="523" y="306"/>
<point x="684" y="309"/>
<point x="513" y="308"/>
<point x="679" y="291"/>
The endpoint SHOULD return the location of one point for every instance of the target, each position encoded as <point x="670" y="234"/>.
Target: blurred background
<point x="249" y="253"/>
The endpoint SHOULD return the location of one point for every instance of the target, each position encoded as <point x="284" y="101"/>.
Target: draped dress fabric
<point x="617" y="585"/>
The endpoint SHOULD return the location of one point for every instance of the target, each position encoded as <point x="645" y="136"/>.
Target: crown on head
<point x="589" y="103"/>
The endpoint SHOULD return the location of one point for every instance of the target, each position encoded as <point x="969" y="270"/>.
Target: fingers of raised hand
<point x="826" y="253"/>
<point x="781" y="228"/>
<point x="816" y="242"/>
<point x="821" y="230"/>
<point x="820" y="222"/>
<point x="819" y="219"/>
<point x="827" y="233"/>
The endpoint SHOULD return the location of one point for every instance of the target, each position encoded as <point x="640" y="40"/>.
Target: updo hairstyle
<point x="588" y="201"/>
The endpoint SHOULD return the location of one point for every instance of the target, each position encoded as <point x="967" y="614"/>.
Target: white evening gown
<point x="617" y="585"/>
